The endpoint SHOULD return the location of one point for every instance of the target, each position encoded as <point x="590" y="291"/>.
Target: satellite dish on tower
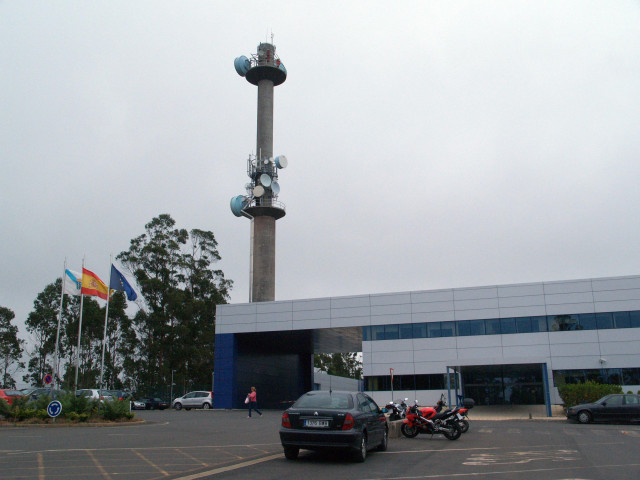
<point x="242" y="65"/>
<point x="258" y="191"/>
<point x="237" y="204"/>
<point x="275" y="187"/>
<point x="281" y="161"/>
<point x="265" y="180"/>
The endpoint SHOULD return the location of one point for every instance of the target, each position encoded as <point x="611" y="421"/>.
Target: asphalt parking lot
<point x="189" y="445"/>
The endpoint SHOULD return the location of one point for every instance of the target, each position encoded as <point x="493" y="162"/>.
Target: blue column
<point x="225" y="380"/>
<point x="547" y="396"/>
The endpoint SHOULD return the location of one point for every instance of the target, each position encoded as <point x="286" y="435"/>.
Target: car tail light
<point x="286" y="423"/>
<point x="348" y="422"/>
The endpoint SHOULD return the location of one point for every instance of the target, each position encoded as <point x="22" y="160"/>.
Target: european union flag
<point x="118" y="282"/>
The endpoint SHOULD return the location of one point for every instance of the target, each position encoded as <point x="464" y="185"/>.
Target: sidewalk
<point x="516" y="412"/>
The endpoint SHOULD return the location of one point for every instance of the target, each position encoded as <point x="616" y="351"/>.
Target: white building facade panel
<point x="617" y="305"/>
<point x="433" y="307"/>
<point x="391" y="358"/>
<point x="390" y="319"/>
<point x="524" y="290"/>
<point x="445" y="316"/>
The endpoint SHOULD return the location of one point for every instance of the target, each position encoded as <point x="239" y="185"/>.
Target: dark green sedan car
<point x="329" y="420"/>
<point x="611" y="408"/>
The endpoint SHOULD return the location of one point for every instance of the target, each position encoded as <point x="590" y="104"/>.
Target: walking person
<point x="252" y="396"/>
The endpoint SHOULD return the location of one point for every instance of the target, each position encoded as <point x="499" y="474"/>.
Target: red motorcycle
<point x="427" y="420"/>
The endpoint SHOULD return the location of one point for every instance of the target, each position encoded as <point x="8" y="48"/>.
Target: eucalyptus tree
<point x="10" y="348"/>
<point x="175" y="271"/>
<point x="340" y="364"/>
<point x="42" y="325"/>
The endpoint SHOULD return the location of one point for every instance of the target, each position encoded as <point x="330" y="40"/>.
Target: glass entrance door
<point x="504" y="384"/>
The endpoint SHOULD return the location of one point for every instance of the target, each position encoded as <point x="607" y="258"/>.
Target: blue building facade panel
<point x="225" y="380"/>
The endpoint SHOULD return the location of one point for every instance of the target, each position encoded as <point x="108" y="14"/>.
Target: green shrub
<point x="18" y="410"/>
<point x="588" y="392"/>
<point x="41" y="413"/>
<point x="72" y="404"/>
<point x="115" y="410"/>
<point x="5" y="408"/>
<point x="41" y="403"/>
<point x="77" y="417"/>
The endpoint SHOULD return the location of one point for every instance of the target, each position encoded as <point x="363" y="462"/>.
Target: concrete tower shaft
<point x="264" y="138"/>
<point x="265" y="71"/>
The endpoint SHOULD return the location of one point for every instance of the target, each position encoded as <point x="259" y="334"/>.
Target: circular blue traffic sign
<point x="54" y="408"/>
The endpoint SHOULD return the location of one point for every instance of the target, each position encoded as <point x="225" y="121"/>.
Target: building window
<point x="433" y="330"/>
<point x="476" y="327"/>
<point x="419" y="330"/>
<point x="366" y="334"/>
<point x="492" y="326"/>
<point x="621" y="320"/>
<point x="377" y="332"/>
<point x="563" y="323"/>
<point x="588" y="321"/>
<point x="539" y="324"/>
<point x="405" y="330"/>
<point x="611" y="376"/>
<point x="604" y="321"/>
<point x="508" y="325"/>
<point x="504" y="326"/>
<point x="391" y="332"/>
<point x="523" y="325"/>
<point x="448" y="329"/>
<point x="464" y="329"/>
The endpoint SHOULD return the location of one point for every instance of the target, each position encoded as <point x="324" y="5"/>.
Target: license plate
<point x="316" y="423"/>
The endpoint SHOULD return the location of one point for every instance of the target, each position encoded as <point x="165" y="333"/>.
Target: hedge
<point x="587" y="392"/>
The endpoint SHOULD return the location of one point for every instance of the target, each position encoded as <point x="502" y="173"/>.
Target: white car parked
<point x="93" y="394"/>
<point x="197" y="399"/>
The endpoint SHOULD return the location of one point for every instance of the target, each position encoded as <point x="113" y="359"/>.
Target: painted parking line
<point x="99" y="466"/>
<point x="510" y="473"/>
<point x="467" y="449"/>
<point x="525" y="456"/>
<point x="229" y="468"/>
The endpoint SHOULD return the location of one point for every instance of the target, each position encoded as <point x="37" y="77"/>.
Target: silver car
<point x="197" y="399"/>
<point x="94" y="394"/>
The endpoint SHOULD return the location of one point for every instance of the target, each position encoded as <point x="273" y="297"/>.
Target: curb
<point x="73" y="425"/>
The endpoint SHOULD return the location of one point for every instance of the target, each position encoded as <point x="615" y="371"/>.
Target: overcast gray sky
<point x="430" y="144"/>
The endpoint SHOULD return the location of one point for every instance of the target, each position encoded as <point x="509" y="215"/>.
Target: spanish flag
<point x="92" y="285"/>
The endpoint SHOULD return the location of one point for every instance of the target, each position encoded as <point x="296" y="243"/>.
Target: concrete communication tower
<point x="260" y="204"/>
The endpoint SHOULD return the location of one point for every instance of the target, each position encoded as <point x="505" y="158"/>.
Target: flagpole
<point x="57" y="357"/>
<point x="106" y="318"/>
<point x="75" y="387"/>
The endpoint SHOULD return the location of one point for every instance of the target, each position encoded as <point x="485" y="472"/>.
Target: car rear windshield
<point x="12" y="393"/>
<point x="328" y="400"/>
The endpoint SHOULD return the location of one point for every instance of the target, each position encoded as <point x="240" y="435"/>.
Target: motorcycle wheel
<point x="453" y="432"/>
<point x="409" y="431"/>
<point x="464" y="425"/>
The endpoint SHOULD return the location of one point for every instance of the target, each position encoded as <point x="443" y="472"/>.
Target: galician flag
<point x="72" y="281"/>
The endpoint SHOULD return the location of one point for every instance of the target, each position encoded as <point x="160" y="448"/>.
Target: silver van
<point x="197" y="399"/>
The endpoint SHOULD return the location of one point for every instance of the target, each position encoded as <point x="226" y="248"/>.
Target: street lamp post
<point x="171" y="394"/>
